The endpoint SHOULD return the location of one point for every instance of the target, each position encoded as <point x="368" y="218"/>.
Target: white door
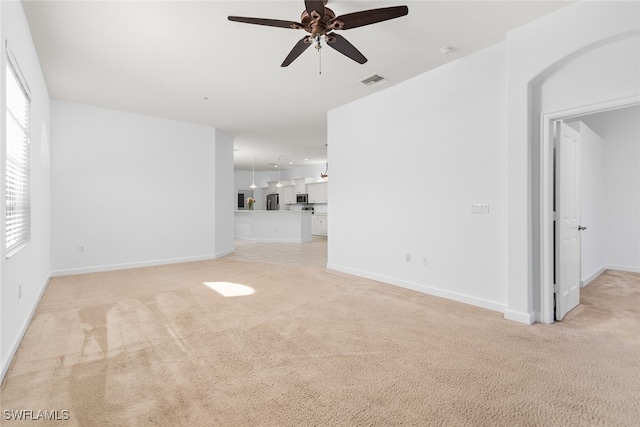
<point x="567" y="232"/>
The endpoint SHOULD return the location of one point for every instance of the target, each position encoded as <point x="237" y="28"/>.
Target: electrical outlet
<point x="81" y="249"/>
<point x="407" y="257"/>
<point x="479" y="208"/>
<point x="19" y="291"/>
<point x="425" y="260"/>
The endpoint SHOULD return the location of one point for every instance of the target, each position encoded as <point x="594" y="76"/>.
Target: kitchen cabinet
<point x="271" y="187"/>
<point x="319" y="225"/>
<point x="301" y="184"/>
<point x="317" y="192"/>
<point x="273" y="226"/>
<point x="288" y="195"/>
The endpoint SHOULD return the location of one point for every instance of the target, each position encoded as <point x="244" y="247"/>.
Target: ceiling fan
<point x="320" y="21"/>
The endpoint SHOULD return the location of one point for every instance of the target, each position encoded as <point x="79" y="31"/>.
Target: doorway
<point x="549" y="269"/>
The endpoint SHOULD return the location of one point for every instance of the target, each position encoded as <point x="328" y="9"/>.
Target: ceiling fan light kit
<point x="320" y="22"/>
<point x="325" y="175"/>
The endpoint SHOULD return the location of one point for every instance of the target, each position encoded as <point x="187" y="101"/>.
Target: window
<point x="18" y="200"/>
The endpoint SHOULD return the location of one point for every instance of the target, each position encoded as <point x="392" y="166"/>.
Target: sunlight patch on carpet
<point x="228" y="289"/>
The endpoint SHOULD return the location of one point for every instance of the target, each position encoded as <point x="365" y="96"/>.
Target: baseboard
<point x="592" y="277"/>
<point x="224" y="253"/>
<point x="519" y="316"/>
<point x="246" y="239"/>
<point x="124" y="266"/>
<point x="430" y="290"/>
<point x="14" y="346"/>
<point x="627" y="268"/>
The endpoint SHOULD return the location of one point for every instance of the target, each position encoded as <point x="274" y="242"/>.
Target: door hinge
<point x="556" y="288"/>
<point x="555" y="216"/>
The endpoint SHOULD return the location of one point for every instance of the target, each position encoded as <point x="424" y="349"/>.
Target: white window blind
<point x="18" y="200"/>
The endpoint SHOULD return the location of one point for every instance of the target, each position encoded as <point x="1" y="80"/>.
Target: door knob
<point x="580" y="228"/>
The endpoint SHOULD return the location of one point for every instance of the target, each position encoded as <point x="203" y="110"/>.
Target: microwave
<point x="302" y="198"/>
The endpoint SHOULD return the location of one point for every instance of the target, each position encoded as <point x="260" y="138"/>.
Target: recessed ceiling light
<point x="306" y="160"/>
<point x="290" y="163"/>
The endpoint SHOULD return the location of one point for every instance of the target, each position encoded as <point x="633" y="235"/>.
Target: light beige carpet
<point x="154" y="346"/>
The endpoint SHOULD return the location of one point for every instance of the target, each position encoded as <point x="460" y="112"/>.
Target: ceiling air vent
<point x="372" y="79"/>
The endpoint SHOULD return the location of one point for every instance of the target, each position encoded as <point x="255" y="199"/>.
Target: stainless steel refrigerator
<point x="273" y="202"/>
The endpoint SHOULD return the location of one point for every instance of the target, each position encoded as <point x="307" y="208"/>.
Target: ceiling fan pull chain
<point x="318" y="47"/>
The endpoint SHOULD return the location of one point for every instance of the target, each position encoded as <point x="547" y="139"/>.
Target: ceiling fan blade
<point x="315" y="5"/>
<point x="297" y="50"/>
<point x="343" y="46"/>
<point x="366" y="17"/>
<point x="267" y="22"/>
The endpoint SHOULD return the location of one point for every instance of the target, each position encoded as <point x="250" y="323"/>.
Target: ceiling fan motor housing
<point x="315" y="23"/>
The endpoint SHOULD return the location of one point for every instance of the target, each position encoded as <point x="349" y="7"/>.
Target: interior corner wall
<point x="30" y="267"/>
<point x="620" y="130"/>
<point x="130" y="190"/>
<point x="224" y="194"/>
<point x="437" y="145"/>
<point x="571" y="32"/>
<point x="610" y="193"/>
<point x="593" y="179"/>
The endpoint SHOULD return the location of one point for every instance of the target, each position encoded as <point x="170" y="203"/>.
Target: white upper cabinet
<point x="301" y="185"/>
<point x="271" y="187"/>
<point x="317" y="192"/>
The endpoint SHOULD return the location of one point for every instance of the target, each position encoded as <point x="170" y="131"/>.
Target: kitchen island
<point x="273" y="226"/>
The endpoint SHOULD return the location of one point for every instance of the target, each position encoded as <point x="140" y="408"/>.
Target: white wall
<point x="610" y="194"/>
<point x="243" y="178"/>
<point x="610" y="205"/>
<point x="621" y="132"/>
<point x="593" y="180"/>
<point x="307" y="171"/>
<point x="135" y="190"/>
<point x="30" y="267"/>
<point x="604" y="73"/>
<point x="607" y="72"/>
<point x="428" y="155"/>
<point x="223" y="194"/>
<point x="438" y="145"/>
<point x="534" y="52"/>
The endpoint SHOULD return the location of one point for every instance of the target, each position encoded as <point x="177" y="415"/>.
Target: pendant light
<point x="279" y="184"/>
<point x="253" y="185"/>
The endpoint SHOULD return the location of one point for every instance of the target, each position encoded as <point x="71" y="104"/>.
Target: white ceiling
<point x="162" y="58"/>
